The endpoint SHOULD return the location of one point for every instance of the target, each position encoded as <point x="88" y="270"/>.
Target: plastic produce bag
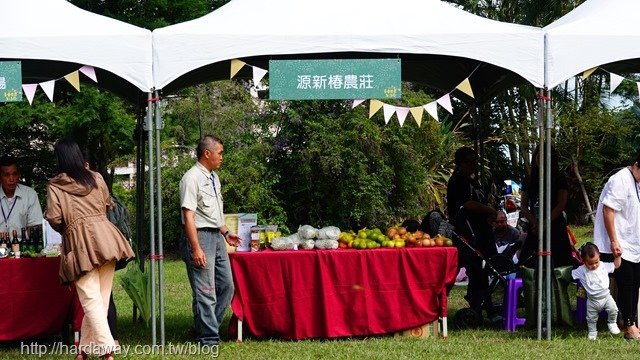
<point x="326" y="244"/>
<point x="307" y="232"/>
<point x="307" y="244"/>
<point x="329" y="233"/>
<point x="286" y="243"/>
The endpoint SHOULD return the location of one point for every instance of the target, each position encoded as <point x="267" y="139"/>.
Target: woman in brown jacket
<point x="77" y="202"/>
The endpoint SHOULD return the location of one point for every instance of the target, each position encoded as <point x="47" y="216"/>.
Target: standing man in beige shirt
<point x="202" y="244"/>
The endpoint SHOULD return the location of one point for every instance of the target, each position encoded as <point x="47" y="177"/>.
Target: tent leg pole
<point x="152" y="251"/>
<point x="541" y="135"/>
<point x="547" y="219"/>
<point x="159" y="126"/>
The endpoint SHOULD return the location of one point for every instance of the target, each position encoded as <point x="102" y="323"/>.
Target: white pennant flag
<point x="258" y="74"/>
<point x="614" y="82"/>
<point x="638" y="83"/>
<point x="48" y="87"/>
<point x="388" y="112"/>
<point x="432" y="109"/>
<point x="356" y="103"/>
<point x="402" y="112"/>
<point x="29" y="91"/>
<point x="90" y="72"/>
<point x="445" y="102"/>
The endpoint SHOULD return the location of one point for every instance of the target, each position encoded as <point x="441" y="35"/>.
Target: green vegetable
<point x="137" y="285"/>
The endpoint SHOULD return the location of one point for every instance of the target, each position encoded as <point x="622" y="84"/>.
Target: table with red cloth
<point x="337" y="293"/>
<point x="33" y="301"/>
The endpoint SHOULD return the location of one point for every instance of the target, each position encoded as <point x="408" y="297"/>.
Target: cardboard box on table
<point x="241" y="224"/>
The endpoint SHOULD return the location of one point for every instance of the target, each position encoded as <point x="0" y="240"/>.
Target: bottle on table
<point x="38" y="242"/>
<point x="27" y="240"/>
<point x="15" y="244"/>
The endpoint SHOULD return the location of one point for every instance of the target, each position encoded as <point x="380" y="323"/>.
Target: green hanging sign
<point x="10" y="81"/>
<point x="334" y="79"/>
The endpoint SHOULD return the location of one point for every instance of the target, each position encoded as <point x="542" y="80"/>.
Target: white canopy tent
<point x="54" y="37"/>
<point x="596" y="33"/>
<point x="439" y="44"/>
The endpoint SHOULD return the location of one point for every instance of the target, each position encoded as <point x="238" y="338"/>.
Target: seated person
<point x="20" y="204"/>
<point x="411" y="225"/>
<point x="508" y="239"/>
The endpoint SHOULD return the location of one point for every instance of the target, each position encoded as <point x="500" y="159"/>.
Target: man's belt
<point x="209" y="229"/>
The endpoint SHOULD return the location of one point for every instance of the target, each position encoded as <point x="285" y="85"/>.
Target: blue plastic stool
<point x="580" y="314"/>
<point x="510" y="319"/>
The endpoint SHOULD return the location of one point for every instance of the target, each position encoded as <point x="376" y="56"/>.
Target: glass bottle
<point x="15" y="244"/>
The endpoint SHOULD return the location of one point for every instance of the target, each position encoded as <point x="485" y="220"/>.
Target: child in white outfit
<point x="594" y="277"/>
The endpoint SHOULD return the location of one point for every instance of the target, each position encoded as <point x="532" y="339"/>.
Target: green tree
<point x="151" y="14"/>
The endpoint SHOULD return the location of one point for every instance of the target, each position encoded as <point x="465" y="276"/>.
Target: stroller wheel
<point x="467" y="318"/>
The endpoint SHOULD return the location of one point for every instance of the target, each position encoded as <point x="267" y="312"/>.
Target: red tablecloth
<point x="33" y="301"/>
<point x="334" y="293"/>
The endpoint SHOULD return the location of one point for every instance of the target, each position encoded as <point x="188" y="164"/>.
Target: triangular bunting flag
<point x="90" y="72"/>
<point x="388" y="112"/>
<point x="614" y="82"/>
<point x="29" y="91"/>
<point x="416" y="112"/>
<point x="445" y="102"/>
<point x="374" y="106"/>
<point x="48" y="87"/>
<point x="432" y="109"/>
<point x="588" y="73"/>
<point x="74" y="79"/>
<point x="258" y="74"/>
<point x="356" y="103"/>
<point x="402" y="112"/>
<point x="236" y="65"/>
<point x="465" y="87"/>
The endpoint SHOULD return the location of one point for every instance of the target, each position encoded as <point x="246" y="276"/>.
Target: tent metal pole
<point x="541" y="135"/>
<point x="140" y="203"/>
<point x="159" y="125"/>
<point x="547" y="219"/>
<point x="152" y="250"/>
<point x="480" y="135"/>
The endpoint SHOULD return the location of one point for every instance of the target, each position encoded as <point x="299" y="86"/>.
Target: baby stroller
<point x="497" y="267"/>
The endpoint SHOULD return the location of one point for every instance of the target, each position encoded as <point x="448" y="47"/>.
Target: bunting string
<point x="417" y="111"/>
<point x="258" y="73"/>
<point x="48" y="86"/>
<point x="375" y="105"/>
<point x="614" y="79"/>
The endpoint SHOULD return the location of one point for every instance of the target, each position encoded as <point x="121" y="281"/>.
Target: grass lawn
<point x="490" y="343"/>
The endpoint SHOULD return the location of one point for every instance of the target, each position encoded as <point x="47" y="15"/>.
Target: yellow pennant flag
<point x="465" y="87"/>
<point x="374" y="106"/>
<point x="236" y="65"/>
<point x="416" y="112"/>
<point x="73" y="79"/>
<point x="588" y="73"/>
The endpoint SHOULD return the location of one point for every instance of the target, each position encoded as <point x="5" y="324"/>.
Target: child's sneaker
<point x="592" y="335"/>
<point x="613" y="328"/>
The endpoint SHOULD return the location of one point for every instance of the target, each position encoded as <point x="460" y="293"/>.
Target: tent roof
<point x="439" y="44"/>
<point x="54" y="37"/>
<point x="596" y="33"/>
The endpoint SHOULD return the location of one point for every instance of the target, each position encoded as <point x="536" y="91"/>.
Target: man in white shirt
<point x="19" y="203"/>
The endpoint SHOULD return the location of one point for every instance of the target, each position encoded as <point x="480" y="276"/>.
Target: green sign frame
<point x="335" y="79"/>
<point x="10" y="81"/>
